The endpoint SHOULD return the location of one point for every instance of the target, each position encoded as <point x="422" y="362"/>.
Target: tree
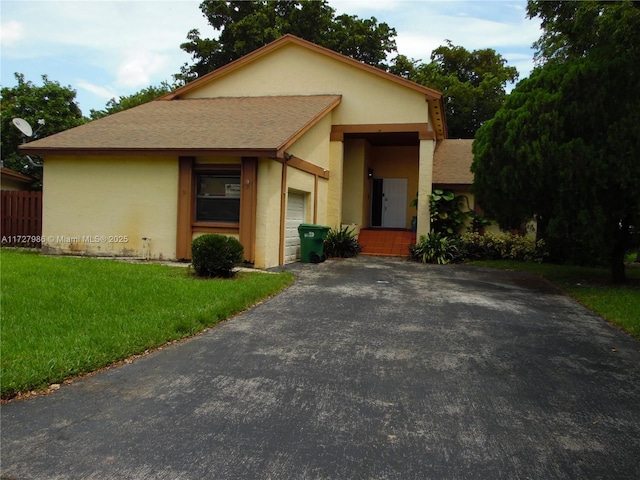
<point x="245" y="26"/>
<point x="123" y="103"/>
<point x="404" y="66"/>
<point x="566" y="144"/>
<point x="51" y="102"/>
<point x="569" y="30"/>
<point x="364" y="39"/>
<point x="473" y="85"/>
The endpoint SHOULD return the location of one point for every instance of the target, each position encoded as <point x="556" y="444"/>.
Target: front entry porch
<point x="386" y="242"/>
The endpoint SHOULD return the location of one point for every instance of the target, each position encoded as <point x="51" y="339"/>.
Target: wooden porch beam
<point x="338" y="131"/>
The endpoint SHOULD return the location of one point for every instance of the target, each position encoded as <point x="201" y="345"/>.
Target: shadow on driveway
<point x="367" y="368"/>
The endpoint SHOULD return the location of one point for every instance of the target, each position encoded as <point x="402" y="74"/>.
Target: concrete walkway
<point x="367" y="368"/>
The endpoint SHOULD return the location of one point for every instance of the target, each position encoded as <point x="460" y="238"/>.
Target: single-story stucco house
<point x="291" y="133"/>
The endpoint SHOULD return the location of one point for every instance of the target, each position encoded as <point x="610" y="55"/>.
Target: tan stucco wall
<point x="294" y="70"/>
<point x="313" y="146"/>
<point x="268" y="213"/>
<point x="105" y="205"/>
<point x="334" y="190"/>
<point x="302" y="183"/>
<point x="354" y="182"/>
<point x="268" y="226"/>
<point x="425" y="181"/>
<point x="323" y="206"/>
<point x="368" y="188"/>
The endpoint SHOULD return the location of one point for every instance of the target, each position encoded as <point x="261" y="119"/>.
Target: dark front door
<point x="389" y="203"/>
<point x="377" y="196"/>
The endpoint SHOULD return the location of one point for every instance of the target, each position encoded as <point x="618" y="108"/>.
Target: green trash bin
<point x="311" y="242"/>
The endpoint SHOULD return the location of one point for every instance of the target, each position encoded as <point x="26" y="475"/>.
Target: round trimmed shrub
<point x="214" y="255"/>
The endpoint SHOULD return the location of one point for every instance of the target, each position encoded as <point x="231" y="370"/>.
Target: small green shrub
<point x="341" y="243"/>
<point x="435" y="248"/>
<point x="215" y="255"/>
<point x="501" y="246"/>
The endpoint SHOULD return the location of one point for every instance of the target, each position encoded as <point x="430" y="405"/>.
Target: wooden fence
<point x="21" y="219"/>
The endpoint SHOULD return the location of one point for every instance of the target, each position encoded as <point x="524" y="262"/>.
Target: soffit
<point x="387" y="139"/>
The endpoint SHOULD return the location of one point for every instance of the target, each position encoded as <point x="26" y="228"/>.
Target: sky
<point x="110" y="48"/>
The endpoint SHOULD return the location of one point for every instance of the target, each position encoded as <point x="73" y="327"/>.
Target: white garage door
<point x="294" y="217"/>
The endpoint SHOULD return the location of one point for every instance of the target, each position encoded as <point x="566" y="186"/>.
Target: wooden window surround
<point x="190" y="194"/>
<point x="216" y="192"/>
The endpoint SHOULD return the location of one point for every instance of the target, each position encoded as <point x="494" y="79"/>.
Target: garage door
<point x="294" y="217"/>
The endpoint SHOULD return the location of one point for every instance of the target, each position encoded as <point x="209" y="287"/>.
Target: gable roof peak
<point x="288" y="39"/>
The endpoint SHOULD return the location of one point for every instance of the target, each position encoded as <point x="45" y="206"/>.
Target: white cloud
<point x="357" y="7"/>
<point x="139" y="66"/>
<point x="501" y="26"/>
<point x="11" y="32"/>
<point x="102" y="33"/>
<point x="475" y="33"/>
<point x="114" y="47"/>
<point x="470" y="33"/>
<point x="423" y="26"/>
<point x="106" y="93"/>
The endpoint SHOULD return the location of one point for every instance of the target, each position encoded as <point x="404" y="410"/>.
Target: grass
<point x="63" y="317"/>
<point x="618" y="304"/>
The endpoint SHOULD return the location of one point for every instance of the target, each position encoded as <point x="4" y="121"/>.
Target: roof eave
<point x="177" y="152"/>
<point x="17" y="176"/>
<point x="448" y="184"/>
<point x="438" y="117"/>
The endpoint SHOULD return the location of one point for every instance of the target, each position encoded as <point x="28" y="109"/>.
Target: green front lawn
<point x="63" y="317"/>
<point x="619" y="304"/>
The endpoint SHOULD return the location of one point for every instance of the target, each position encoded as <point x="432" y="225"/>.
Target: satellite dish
<point x="22" y="125"/>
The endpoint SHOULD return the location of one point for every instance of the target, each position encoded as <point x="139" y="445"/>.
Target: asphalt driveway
<point x="367" y="368"/>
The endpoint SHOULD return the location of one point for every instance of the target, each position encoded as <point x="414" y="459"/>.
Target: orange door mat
<point x="392" y="243"/>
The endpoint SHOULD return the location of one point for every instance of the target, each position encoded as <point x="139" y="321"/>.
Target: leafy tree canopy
<point x="123" y="103"/>
<point x="244" y="26"/>
<point x="566" y="144"/>
<point x="473" y="84"/>
<point x="578" y="29"/>
<point x="50" y="102"/>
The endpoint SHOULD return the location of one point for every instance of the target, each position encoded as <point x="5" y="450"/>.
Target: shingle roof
<point x="452" y="162"/>
<point x="238" y="125"/>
